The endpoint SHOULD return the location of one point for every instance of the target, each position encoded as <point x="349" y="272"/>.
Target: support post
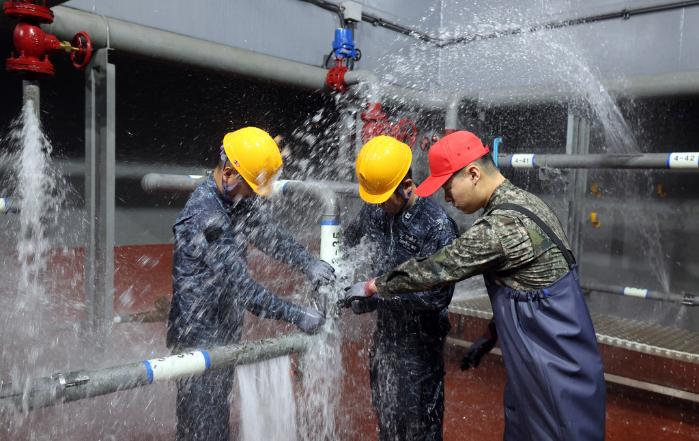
<point x="577" y="143"/>
<point x="99" y="192"/>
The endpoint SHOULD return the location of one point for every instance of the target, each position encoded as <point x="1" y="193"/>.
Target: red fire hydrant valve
<point x="335" y="80"/>
<point x="375" y="122"/>
<point x="33" y="45"/>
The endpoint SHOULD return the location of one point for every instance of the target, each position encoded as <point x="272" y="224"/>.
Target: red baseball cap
<point x="449" y="155"/>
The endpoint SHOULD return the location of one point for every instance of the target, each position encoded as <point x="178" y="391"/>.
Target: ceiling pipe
<point x="177" y="48"/>
<point x="637" y="86"/>
<point x="402" y="96"/>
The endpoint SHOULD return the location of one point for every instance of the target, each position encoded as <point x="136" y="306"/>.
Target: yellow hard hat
<point x="255" y="156"/>
<point x="381" y="166"/>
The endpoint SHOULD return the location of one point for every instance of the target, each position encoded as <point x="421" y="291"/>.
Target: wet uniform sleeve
<point x="433" y="299"/>
<point x="476" y="251"/>
<point x="277" y="243"/>
<point x="220" y="252"/>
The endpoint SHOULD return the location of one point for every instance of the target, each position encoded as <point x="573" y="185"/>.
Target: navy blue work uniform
<point x="406" y="361"/>
<point x="212" y="289"/>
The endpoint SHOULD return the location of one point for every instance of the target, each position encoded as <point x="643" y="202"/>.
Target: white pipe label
<point x="635" y="292"/>
<point x="522" y="160"/>
<point x="683" y="160"/>
<point x="177" y="366"/>
<point x="330" y="242"/>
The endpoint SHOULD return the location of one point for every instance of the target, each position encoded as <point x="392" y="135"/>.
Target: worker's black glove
<point x="320" y="272"/>
<point x="309" y="320"/>
<point x="365" y="305"/>
<point x="358" y="291"/>
<point x="479" y="348"/>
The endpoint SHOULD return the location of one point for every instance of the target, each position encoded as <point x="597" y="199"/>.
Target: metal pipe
<point x="324" y="192"/>
<point x="643" y="293"/>
<point x="639" y="86"/>
<point x="124" y="170"/>
<point x="398" y="95"/>
<point x="169" y="46"/>
<point x="32" y="92"/>
<point x="676" y="160"/>
<point x="63" y="388"/>
<point x="167" y="183"/>
<point x="162" y="182"/>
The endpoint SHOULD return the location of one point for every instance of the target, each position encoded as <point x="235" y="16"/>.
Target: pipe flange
<point x="30" y="12"/>
<point x="30" y="65"/>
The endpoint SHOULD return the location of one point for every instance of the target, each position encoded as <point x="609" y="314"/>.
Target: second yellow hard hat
<point x="382" y="163"/>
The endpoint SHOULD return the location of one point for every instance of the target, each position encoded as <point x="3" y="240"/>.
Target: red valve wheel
<point x="81" y="58"/>
<point x="405" y="130"/>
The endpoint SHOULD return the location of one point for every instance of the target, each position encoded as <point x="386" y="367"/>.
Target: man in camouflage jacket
<point x="555" y="381"/>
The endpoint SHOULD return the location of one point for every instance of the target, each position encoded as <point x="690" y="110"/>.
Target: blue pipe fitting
<point x="343" y="45"/>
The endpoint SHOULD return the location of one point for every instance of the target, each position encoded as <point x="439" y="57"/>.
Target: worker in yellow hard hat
<point x="406" y="362"/>
<point x="212" y="288"/>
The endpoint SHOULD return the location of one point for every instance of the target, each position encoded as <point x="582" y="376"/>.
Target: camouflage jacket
<point x="504" y="245"/>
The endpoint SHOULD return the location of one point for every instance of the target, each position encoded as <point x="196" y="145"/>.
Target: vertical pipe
<point x="577" y="143"/>
<point x="330" y="239"/>
<point x="99" y="191"/>
<point x="32" y="92"/>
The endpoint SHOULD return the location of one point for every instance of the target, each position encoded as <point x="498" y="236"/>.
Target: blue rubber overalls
<point x="555" y="380"/>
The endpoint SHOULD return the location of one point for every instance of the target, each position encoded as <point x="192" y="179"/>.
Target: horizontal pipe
<point x="124" y="170"/>
<point x="323" y="191"/>
<point x="170" y="183"/>
<point x="177" y="48"/>
<point x="161" y="182"/>
<point x="378" y="92"/>
<point x="73" y="386"/>
<point x="628" y="291"/>
<point x="677" y="160"/>
<point x="634" y="86"/>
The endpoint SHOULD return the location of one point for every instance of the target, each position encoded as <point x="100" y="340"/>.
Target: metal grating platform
<point x="634" y="335"/>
